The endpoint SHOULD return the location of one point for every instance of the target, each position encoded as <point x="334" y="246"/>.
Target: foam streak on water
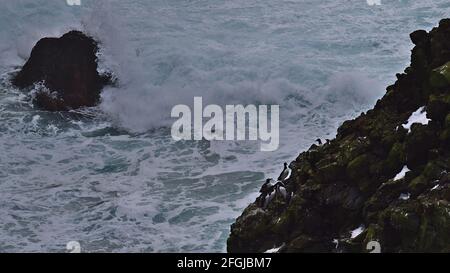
<point x="113" y="179"/>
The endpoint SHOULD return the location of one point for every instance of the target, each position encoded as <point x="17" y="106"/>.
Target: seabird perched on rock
<point x="266" y="186"/>
<point x="269" y="198"/>
<point x="269" y="191"/>
<point x="265" y="190"/>
<point x="285" y="174"/>
<point x="319" y="141"/>
<point x="280" y="188"/>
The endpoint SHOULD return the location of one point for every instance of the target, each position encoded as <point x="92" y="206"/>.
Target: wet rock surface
<point x="63" y="72"/>
<point x="355" y="181"/>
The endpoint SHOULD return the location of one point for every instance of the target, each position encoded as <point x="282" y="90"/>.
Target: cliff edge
<point x="384" y="178"/>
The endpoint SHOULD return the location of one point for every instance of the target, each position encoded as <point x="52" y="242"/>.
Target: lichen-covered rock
<point x="440" y="77"/>
<point x="355" y="181"/>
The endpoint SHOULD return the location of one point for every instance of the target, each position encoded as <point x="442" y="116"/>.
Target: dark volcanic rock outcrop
<point x="353" y="181"/>
<point x="67" y="67"/>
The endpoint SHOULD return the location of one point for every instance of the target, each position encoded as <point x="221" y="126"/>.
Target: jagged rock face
<point x="67" y="69"/>
<point x="353" y="181"/>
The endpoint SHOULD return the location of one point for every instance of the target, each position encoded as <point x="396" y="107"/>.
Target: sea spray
<point x="238" y="119"/>
<point x="119" y="175"/>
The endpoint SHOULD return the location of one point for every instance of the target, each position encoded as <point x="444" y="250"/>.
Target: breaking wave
<point x="114" y="179"/>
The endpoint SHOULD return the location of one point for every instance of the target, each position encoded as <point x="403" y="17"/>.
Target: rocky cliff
<point x="384" y="178"/>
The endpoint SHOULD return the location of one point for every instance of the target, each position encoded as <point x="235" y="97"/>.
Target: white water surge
<point x="114" y="180"/>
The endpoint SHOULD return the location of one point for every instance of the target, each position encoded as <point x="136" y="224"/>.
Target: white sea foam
<point x="114" y="180"/>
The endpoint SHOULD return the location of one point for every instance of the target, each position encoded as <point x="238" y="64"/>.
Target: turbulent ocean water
<point x="113" y="179"/>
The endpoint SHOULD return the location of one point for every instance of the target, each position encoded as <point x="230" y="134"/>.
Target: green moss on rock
<point x="440" y="77"/>
<point x="349" y="182"/>
<point x="447" y="121"/>
<point x="359" y="167"/>
<point x="395" y="159"/>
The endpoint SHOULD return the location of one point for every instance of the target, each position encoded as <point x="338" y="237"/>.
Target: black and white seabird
<point x="319" y="141"/>
<point x="269" y="191"/>
<point x="285" y="174"/>
<point x="269" y="198"/>
<point x="280" y="188"/>
<point x="266" y="190"/>
<point x="266" y="187"/>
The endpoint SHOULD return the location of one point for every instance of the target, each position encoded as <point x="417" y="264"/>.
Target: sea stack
<point x="67" y="69"/>
<point x="359" y="179"/>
